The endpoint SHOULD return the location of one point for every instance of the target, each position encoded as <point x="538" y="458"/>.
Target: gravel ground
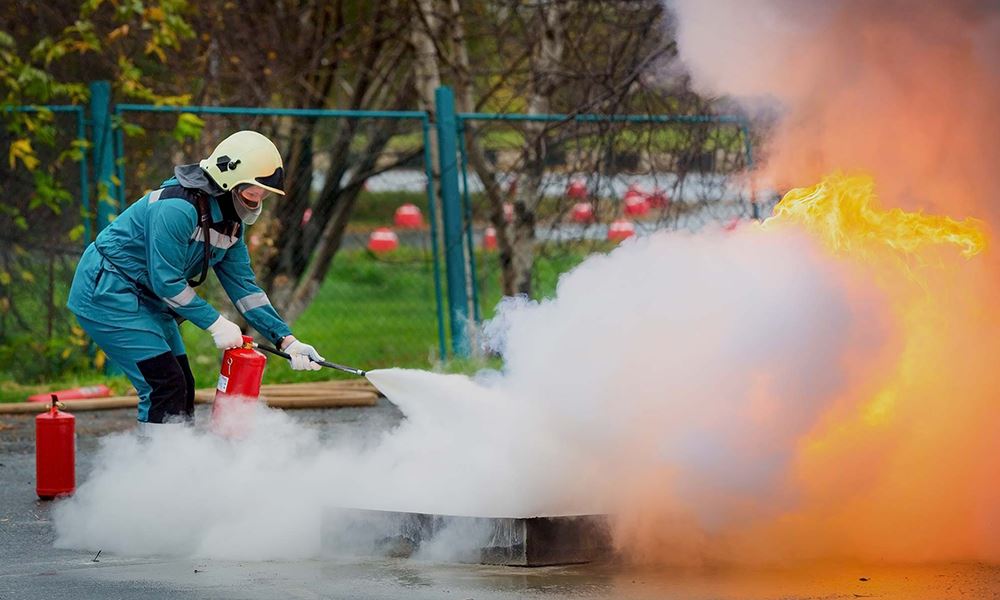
<point x="31" y="568"/>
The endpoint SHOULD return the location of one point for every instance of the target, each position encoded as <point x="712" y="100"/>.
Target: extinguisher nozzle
<point x="324" y="363"/>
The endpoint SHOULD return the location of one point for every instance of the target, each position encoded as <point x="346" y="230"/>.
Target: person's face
<point x="252" y="196"/>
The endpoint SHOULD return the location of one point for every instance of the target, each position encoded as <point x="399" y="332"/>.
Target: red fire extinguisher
<point x="55" y="453"/>
<point x="240" y="377"/>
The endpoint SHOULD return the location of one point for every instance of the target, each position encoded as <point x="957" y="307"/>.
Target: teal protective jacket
<point x="152" y="251"/>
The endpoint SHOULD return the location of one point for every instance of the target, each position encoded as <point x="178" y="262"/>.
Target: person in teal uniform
<point x="137" y="280"/>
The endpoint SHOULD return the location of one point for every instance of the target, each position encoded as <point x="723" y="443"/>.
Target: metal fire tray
<point x="525" y="542"/>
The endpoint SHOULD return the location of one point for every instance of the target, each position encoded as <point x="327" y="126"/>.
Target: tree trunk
<point x="427" y="77"/>
<point x="474" y="152"/>
<point x="545" y="61"/>
<point x="297" y="271"/>
<point x="328" y="241"/>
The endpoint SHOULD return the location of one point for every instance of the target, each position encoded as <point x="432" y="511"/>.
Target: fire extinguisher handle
<point x="324" y="363"/>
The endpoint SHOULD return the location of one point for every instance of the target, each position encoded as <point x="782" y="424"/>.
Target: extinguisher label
<point x="223" y="383"/>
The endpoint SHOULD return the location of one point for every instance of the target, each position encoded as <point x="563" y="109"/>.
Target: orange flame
<point x="844" y="211"/>
<point x="903" y="464"/>
<point x="907" y="465"/>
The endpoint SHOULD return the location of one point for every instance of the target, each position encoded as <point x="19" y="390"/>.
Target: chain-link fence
<point x="42" y="232"/>
<point x="361" y="294"/>
<point x="595" y="180"/>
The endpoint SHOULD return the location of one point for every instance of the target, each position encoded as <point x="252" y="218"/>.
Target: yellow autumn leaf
<point x="99" y="359"/>
<point x="154" y="48"/>
<point x="21" y="149"/>
<point x="65" y="353"/>
<point x="28" y="276"/>
<point x="118" y="32"/>
<point x="81" y="47"/>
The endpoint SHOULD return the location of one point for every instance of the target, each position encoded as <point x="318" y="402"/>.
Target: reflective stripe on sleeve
<point x="248" y="303"/>
<point x="182" y="299"/>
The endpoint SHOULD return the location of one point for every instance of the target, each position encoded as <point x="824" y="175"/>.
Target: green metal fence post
<point x="119" y="155"/>
<point x="104" y="156"/>
<point x="85" y="213"/>
<point x="467" y="207"/>
<point x="106" y="204"/>
<point x="425" y="125"/>
<point x="451" y="212"/>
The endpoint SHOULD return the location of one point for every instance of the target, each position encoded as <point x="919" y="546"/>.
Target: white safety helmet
<point x="246" y="157"/>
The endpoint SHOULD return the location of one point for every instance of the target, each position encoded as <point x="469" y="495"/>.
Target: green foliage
<point x="30" y="359"/>
<point x="162" y="21"/>
<point x="107" y="30"/>
<point x="26" y="79"/>
<point x="49" y="193"/>
<point x="21" y="150"/>
<point x="129" y="129"/>
<point x="189" y="126"/>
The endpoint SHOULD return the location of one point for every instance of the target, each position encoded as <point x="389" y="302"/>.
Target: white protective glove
<point x="226" y="333"/>
<point x="302" y="356"/>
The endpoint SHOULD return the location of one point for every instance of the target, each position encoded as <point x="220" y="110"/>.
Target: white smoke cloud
<point x="696" y="358"/>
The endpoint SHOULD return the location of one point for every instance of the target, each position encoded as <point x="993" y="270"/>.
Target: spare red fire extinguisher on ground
<point x="239" y="383"/>
<point x="55" y="453"/>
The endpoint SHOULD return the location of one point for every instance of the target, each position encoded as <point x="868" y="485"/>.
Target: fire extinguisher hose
<point x="324" y="363"/>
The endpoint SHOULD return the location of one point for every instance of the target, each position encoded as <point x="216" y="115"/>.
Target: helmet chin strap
<point x="247" y="215"/>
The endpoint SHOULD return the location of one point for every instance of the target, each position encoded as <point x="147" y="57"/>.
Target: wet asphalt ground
<point x="31" y="568"/>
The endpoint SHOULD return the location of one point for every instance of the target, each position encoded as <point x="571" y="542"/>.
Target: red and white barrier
<point x="408" y="216"/>
<point x="383" y="239"/>
<point x="620" y="229"/>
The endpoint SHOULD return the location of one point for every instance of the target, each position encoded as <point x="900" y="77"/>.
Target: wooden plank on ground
<point x="24" y="408"/>
<point x="207" y="395"/>
<point x="319" y="394"/>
